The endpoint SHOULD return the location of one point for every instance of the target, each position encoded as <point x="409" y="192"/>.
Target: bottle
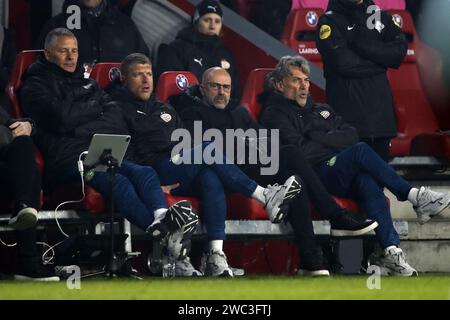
<point x="168" y="270"/>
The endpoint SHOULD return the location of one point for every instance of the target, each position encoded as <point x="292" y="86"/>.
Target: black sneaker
<point x="313" y="265"/>
<point x="175" y="218"/>
<point x="36" y="273"/>
<point x="346" y="224"/>
<point x="24" y="217"/>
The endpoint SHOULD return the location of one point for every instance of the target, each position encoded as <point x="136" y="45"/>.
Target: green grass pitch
<point x="435" y="286"/>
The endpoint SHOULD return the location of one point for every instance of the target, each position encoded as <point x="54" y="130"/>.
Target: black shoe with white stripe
<point x="278" y="198"/>
<point x="176" y="217"/>
<point x="346" y="224"/>
<point x="36" y="273"/>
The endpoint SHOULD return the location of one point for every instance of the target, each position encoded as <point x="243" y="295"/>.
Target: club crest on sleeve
<point x="325" y="114"/>
<point x="225" y="64"/>
<point x="398" y="20"/>
<point x="165" y="117"/>
<point x="325" y="32"/>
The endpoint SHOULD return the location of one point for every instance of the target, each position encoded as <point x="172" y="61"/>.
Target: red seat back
<point x="174" y="82"/>
<point x="23" y="61"/>
<point x="413" y="111"/>
<point x="299" y="33"/>
<point x="245" y="8"/>
<point x="254" y="87"/>
<point x="105" y="72"/>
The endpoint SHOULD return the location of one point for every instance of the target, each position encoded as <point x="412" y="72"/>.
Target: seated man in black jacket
<point x="152" y="125"/>
<point x="210" y="105"/>
<point x="20" y="181"/>
<point x="347" y="168"/>
<point x="68" y="110"/>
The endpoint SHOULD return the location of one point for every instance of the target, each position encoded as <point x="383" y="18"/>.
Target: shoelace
<point x="220" y="254"/>
<point x="270" y="187"/>
<point x="399" y="257"/>
<point x="185" y="262"/>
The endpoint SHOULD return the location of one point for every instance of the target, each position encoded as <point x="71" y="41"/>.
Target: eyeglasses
<point x="216" y="86"/>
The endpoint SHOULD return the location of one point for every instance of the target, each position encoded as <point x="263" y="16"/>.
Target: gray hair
<point x="50" y="39"/>
<point x="282" y="70"/>
<point x="131" y="60"/>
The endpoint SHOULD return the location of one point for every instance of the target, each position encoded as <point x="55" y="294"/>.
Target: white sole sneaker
<point x="19" y="277"/>
<point x="441" y="205"/>
<point x="26" y="218"/>
<point x="313" y="273"/>
<point x="353" y="233"/>
<point x="422" y="219"/>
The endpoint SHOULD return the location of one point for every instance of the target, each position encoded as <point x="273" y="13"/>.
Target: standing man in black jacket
<point x="357" y="46"/>
<point x="210" y="104"/>
<point x="104" y="35"/>
<point x="347" y="168"/>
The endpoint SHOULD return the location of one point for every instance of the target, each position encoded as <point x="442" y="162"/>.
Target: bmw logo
<point x="311" y="19"/>
<point x="182" y="82"/>
<point x="114" y="73"/>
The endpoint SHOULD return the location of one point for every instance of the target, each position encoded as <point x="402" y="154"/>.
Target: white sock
<point x="216" y="245"/>
<point x="159" y="214"/>
<point x="412" y="196"/>
<point x="258" y="195"/>
<point x="386" y="250"/>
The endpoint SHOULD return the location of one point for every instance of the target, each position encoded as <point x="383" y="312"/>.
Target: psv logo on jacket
<point x="325" y="114"/>
<point x="165" y="117"/>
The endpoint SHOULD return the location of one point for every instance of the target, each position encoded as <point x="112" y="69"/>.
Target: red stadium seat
<point x="253" y="87"/>
<point x="174" y="82"/>
<point x="299" y="33"/>
<point x="417" y="125"/>
<point x="245" y="8"/>
<point x="93" y="201"/>
<point x="105" y="72"/>
<point x="23" y="60"/>
<point x="432" y="75"/>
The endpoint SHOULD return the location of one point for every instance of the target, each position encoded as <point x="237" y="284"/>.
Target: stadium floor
<point x="427" y="286"/>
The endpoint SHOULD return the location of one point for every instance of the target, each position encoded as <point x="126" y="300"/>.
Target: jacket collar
<point x="123" y="94"/>
<point x="277" y="99"/>
<point x="193" y="93"/>
<point x="190" y="34"/>
<point x="345" y="7"/>
<point x="43" y="66"/>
